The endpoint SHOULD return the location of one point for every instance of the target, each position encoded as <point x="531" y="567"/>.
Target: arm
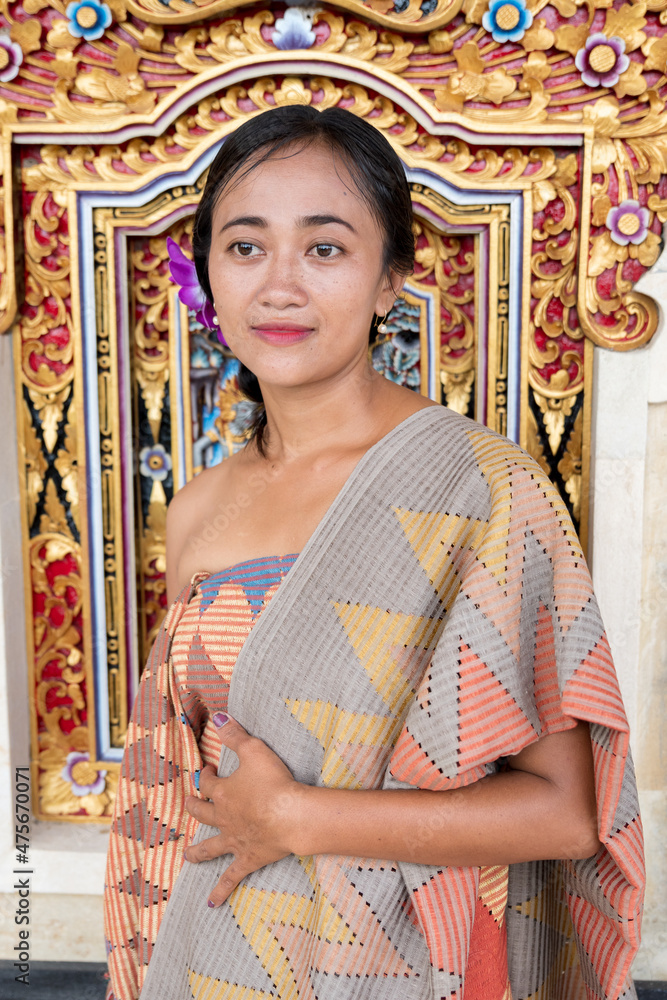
<point x="543" y="806"/>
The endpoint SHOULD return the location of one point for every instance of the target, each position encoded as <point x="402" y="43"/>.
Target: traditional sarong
<point x="440" y="619"/>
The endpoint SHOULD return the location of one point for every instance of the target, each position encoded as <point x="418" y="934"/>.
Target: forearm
<point x="504" y="818"/>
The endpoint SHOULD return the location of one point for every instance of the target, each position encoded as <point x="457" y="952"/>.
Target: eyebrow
<point x="305" y="222"/>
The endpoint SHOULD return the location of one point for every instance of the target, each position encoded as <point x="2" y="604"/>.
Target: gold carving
<point x="580" y="289"/>
<point x="27" y="34"/>
<point x="570" y="465"/>
<point x="7" y="255"/>
<point x="554" y="411"/>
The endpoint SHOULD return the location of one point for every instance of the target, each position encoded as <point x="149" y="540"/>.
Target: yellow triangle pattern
<point x="495" y="458"/>
<point x="546" y="910"/>
<point x="436" y="539"/>
<point x="208" y="988"/>
<point x="335" y="728"/>
<point x="256" y="912"/>
<point x="375" y="636"/>
<point x="493" y="885"/>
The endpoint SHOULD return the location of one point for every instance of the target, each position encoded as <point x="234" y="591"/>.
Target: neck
<point x="347" y="411"/>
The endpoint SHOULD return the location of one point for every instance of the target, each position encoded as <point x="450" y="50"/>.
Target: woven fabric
<point x="440" y="618"/>
<point x="170" y="737"/>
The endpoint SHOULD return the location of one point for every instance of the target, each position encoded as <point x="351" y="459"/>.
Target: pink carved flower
<point x="11" y="57"/>
<point x="184" y="273"/>
<point x="82" y="776"/>
<point x="602" y="60"/>
<point x="628" y="222"/>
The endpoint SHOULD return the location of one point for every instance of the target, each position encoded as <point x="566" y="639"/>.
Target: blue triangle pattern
<point x="255" y="576"/>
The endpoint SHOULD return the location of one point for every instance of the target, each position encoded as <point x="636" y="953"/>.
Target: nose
<point x="284" y="284"/>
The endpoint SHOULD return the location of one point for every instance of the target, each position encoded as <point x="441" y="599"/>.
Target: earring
<point x="382" y="327"/>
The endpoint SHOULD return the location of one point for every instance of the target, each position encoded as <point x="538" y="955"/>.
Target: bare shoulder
<point x="194" y="507"/>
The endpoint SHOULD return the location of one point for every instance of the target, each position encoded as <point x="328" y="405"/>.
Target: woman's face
<point x="296" y="269"/>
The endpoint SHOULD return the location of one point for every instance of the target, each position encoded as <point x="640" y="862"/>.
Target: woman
<point x="392" y="657"/>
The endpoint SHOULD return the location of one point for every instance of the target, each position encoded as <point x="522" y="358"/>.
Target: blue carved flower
<point x="294" y="30"/>
<point x="88" y="19"/>
<point x="155" y="463"/>
<point x="507" y="20"/>
<point x="84" y="778"/>
<point x="11" y="57"/>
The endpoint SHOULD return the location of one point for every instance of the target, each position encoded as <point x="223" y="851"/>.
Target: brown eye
<point x="245" y="249"/>
<point x="326" y="250"/>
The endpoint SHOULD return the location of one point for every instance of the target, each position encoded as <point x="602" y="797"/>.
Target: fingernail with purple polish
<point x="212" y="905"/>
<point x="220" y="719"/>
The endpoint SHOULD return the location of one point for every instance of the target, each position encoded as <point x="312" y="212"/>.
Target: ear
<point x="391" y="288"/>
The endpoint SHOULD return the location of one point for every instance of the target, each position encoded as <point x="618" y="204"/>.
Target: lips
<point x="282" y="333"/>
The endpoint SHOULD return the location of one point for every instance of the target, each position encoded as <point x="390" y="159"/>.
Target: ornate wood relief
<point x="534" y="135"/>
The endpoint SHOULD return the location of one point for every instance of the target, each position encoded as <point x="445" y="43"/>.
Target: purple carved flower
<point x="154" y="463"/>
<point x="628" y="222"/>
<point x="602" y="60"/>
<point x="294" y="30"/>
<point x="84" y="778"/>
<point x="184" y="273"/>
<point x="11" y="57"/>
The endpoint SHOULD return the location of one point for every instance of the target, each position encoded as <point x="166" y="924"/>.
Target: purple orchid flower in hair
<point x="184" y="273"/>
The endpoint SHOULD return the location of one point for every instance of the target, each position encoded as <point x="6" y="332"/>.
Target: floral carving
<point x="507" y="20"/>
<point x="11" y="57"/>
<point x="602" y="60"/>
<point x="593" y="67"/>
<point x="294" y="30"/>
<point x="154" y="463"/>
<point x="628" y="222"/>
<point x="88" y="19"/>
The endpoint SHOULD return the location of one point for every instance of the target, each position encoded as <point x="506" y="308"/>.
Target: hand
<point x="251" y="809"/>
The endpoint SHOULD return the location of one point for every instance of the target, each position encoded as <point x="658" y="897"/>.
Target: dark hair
<point x="373" y="165"/>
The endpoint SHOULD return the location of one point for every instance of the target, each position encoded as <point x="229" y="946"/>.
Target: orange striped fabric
<point x="169" y="738"/>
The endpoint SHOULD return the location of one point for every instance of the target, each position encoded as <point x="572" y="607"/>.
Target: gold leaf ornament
<point x="627" y="23"/>
<point x="127" y="59"/>
<point x="8" y="112"/>
<point x="468" y="59"/>
<point x="603" y="116"/>
<point x="26" y="34"/>
<point x="543" y="193"/>
<point x="570" y="38"/>
<point x="655" y="51"/>
<point x="648" y="251"/>
<point x="566" y="8"/>
<point x="604" y="154"/>
<point x="538" y="37"/>
<point x="65" y="64"/>
<point x="126" y="88"/>
<point x="118" y="10"/>
<point x="440" y="42"/>
<point x="474" y="10"/>
<point x="567" y="170"/>
<point x="632" y="82"/>
<point x="601" y="208"/>
<point x="60" y="38"/>
<point x="604" y="254"/>
<point x="536" y="67"/>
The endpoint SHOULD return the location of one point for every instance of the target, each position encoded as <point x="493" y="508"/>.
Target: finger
<point x="208" y="781"/>
<point x="231" y="733"/>
<point x="201" y="810"/>
<point x="227" y="883"/>
<point x="206" y="850"/>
